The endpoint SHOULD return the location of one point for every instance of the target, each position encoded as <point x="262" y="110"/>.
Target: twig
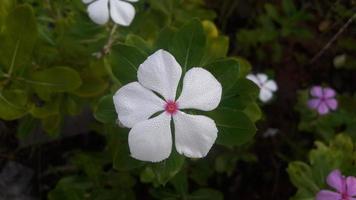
<point x="333" y="39"/>
<point x="107" y="47"/>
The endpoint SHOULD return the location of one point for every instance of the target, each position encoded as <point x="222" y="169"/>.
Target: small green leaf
<point x="26" y="126"/>
<point x="105" y="110"/>
<point x="189" y="44"/>
<point x="51" y="124"/>
<point x="167" y="169"/>
<point x="55" y="79"/>
<point x="216" y="48"/>
<point x="243" y="93"/>
<point x="138" y="42"/>
<point x="13" y="104"/>
<point x="19" y="38"/>
<point x="165" y="37"/>
<point x="91" y="87"/>
<point x="125" y="62"/>
<point x="235" y="128"/>
<point x="226" y="71"/>
<point x="47" y="109"/>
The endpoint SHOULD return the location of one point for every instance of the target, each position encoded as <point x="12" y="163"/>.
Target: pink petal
<point x="316" y="91"/>
<point x="332" y="103"/>
<point x="351" y="185"/>
<point x="314" y="103"/>
<point x="335" y="180"/>
<point x="328" y="92"/>
<point x="323" y="108"/>
<point x="327" y="195"/>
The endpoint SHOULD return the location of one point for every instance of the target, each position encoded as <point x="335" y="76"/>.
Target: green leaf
<point x="105" y="110"/>
<point x="26" y="126"/>
<point x="45" y="110"/>
<point x="167" y="169"/>
<point x="5" y="7"/>
<point x="70" y="188"/>
<point x="125" y="62"/>
<point x="189" y="44"/>
<point x="245" y="67"/>
<point x="13" y="104"/>
<point x="241" y="95"/>
<point x="253" y="111"/>
<point x="165" y="37"/>
<point x="92" y="86"/>
<point x="235" y="128"/>
<point x="55" y="79"/>
<point x="19" y="38"/>
<point x="139" y="43"/>
<point x="301" y="175"/>
<point x="226" y="71"/>
<point x="216" y="48"/>
<point x="51" y="125"/>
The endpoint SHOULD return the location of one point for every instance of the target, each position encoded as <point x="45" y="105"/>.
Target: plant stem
<point x="107" y="47"/>
<point x="333" y="39"/>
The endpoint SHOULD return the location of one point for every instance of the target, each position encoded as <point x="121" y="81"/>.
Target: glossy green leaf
<point x="19" y="38"/>
<point x="226" y="71"/>
<point x="105" y="110"/>
<point x="189" y="44"/>
<point x="235" y="128"/>
<point x="92" y="86"/>
<point x="168" y="168"/>
<point x="55" y="79"/>
<point x="125" y="62"/>
<point x="46" y="109"/>
<point x="52" y="124"/>
<point x="13" y="104"/>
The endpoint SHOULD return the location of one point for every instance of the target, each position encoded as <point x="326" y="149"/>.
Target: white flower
<point x="120" y="11"/>
<point x="150" y="138"/>
<point x="267" y="87"/>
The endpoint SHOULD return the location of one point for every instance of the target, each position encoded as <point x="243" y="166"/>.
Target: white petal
<point x="265" y="95"/>
<point x="194" y="134"/>
<point x="151" y="140"/>
<point x="161" y="73"/>
<point x="262" y="78"/>
<point x="99" y="11"/>
<point x="134" y="104"/>
<point x="200" y="90"/>
<point x="122" y="12"/>
<point x="254" y="79"/>
<point x="87" y="1"/>
<point x="271" y="85"/>
<point x="132" y="0"/>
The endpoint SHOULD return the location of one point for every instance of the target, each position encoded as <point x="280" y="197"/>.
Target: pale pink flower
<point x="345" y="187"/>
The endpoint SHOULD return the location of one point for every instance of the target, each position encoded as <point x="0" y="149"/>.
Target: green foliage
<point x="188" y="45"/>
<point x="311" y="178"/>
<point x="55" y="62"/>
<point x="272" y="27"/>
<point x="17" y="46"/>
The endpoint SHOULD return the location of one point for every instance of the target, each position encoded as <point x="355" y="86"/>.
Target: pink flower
<point x="323" y="100"/>
<point x="345" y="187"/>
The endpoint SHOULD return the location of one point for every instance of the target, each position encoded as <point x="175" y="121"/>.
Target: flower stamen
<point x="171" y="107"/>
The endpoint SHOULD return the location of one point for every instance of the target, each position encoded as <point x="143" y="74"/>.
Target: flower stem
<point x="107" y="47"/>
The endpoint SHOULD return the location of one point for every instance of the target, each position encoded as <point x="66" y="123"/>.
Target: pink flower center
<point x="171" y="107"/>
<point x="344" y="196"/>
